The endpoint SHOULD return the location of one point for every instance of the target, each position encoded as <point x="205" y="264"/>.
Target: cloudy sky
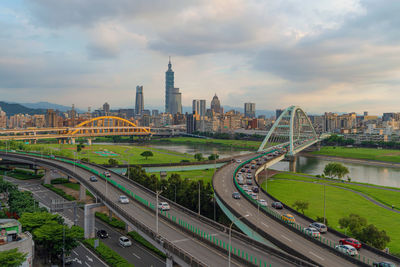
<point x="324" y="55"/>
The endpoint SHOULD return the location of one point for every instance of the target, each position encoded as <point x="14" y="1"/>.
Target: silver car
<point x="319" y="226"/>
<point x="347" y="249"/>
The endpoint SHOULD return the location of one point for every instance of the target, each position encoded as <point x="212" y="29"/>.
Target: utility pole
<point x="199" y="197"/>
<point x="324" y="205"/>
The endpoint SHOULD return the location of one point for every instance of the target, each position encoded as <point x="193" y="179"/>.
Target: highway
<point x="185" y="241"/>
<point x="135" y="254"/>
<point x="224" y="185"/>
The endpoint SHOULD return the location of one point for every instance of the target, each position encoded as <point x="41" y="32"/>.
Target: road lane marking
<point x="312" y="253"/>
<point x="136" y="256"/>
<point x="180" y="240"/>
<point x="87" y="264"/>
<point x="75" y="253"/>
<point x="286" y="238"/>
<point x="265" y="224"/>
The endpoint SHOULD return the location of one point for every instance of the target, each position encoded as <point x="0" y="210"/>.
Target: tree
<point x="372" y="236"/>
<point x="113" y="162"/>
<point x="198" y="156"/>
<point x="12" y="258"/>
<point x="300" y="205"/>
<point x="335" y="169"/>
<point x="213" y="157"/>
<point x="147" y="154"/>
<point x="50" y="238"/>
<point x="354" y="223"/>
<point x="321" y="220"/>
<point x="33" y="220"/>
<point x="79" y="147"/>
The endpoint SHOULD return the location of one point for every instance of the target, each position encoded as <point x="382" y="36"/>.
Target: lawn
<point x="242" y="144"/>
<point x="122" y="153"/>
<point x="386" y="197"/>
<point x="339" y="203"/>
<point x="194" y="175"/>
<point x="390" y="155"/>
<point x="75" y="187"/>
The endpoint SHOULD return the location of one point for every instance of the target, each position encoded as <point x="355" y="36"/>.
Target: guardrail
<point x="335" y="232"/>
<point x="240" y="255"/>
<point x="298" y="229"/>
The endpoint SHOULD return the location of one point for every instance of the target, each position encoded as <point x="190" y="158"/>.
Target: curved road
<point x="224" y="185"/>
<point x="169" y="231"/>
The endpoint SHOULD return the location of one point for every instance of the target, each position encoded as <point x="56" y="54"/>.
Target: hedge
<point x="59" y="181"/>
<point x="59" y="192"/>
<point x="113" y="222"/>
<point x="138" y="238"/>
<point x="107" y="254"/>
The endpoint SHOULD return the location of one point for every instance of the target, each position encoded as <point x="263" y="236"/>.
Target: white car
<point x="124" y="242"/>
<point x="164" y="206"/>
<point x="347" y="249"/>
<point x="319" y="226"/>
<point x="123" y="199"/>
<point x="312" y="232"/>
<point x="245" y="187"/>
<point x="262" y="202"/>
<point x="107" y="174"/>
<point x="253" y="195"/>
<point x="238" y="161"/>
<point x="240" y="180"/>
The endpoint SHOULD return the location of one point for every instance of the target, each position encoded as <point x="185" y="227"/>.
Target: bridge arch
<point x="291" y="130"/>
<point x="104" y="123"/>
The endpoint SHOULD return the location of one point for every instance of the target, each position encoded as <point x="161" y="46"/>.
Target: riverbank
<point x="369" y="155"/>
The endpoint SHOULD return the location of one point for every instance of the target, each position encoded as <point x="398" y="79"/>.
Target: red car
<point x="350" y="241"/>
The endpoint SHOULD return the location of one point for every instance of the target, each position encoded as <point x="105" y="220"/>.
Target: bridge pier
<point x="89" y="141"/>
<point x="82" y="192"/>
<point x="292" y="163"/>
<point x="169" y="262"/>
<point x="89" y="231"/>
<point x="72" y="141"/>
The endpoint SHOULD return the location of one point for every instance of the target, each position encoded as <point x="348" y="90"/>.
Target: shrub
<point x="107" y="254"/>
<point x="59" y="181"/>
<point x="138" y="238"/>
<point x="113" y="222"/>
<point x="59" y="192"/>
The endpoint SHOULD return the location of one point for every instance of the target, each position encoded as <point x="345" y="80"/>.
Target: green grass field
<point x="123" y="153"/>
<point x="241" y="144"/>
<point x="390" y="155"/>
<point x="339" y="203"/>
<point x="194" y="175"/>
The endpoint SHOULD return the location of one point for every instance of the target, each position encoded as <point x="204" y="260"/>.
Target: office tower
<point x="216" y="105"/>
<point x="175" y="101"/>
<point x="106" y="109"/>
<point x="154" y="112"/>
<point x="169" y="85"/>
<point x="250" y="110"/>
<point x="199" y="106"/>
<point x="139" y="104"/>
<point x="51" y="118"/>
<point x="192" y="122"/>
<point x="278" y="112"/>
<point x="196" y="106"/>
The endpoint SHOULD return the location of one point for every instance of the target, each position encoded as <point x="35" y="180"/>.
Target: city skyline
<point x="336" y="57"/>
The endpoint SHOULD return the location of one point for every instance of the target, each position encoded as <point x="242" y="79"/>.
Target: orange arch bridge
<point x="107" y="125"/>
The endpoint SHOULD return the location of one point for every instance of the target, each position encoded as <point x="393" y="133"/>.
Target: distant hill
<point x="12" y="108"/>
<point x="47" y="105"/>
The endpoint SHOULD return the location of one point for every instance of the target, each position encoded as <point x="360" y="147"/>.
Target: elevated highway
<point x="189" y="239"/>
<point x="267" y="220"/>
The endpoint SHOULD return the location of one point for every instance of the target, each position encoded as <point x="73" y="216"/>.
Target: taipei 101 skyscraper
<point x="169" y="86"/>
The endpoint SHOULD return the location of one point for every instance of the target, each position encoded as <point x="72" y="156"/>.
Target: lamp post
<point x="230" y="234"/>
<point x="157" y="194"/>
<point x="199" y="197"/>
<point x="324" y="205"/>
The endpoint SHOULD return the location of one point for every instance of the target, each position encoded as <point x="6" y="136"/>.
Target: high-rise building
<point x="216" y="105"/>
<point x="169" y="85"/>
<point x="199" y="106"/>
<point x="106" y="109"/>
<point x="51" y="118"/>
<point x="175" y="101"/>
<point x="191" y="122"/>
<point x="139" y="104"/>
<point x="250" y="110"/>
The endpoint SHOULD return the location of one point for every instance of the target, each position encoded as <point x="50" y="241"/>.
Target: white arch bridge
<point x="291" y="133"/>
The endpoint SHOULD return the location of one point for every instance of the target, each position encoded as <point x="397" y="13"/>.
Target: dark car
<point x="236" y="195"/>
<point x="248" y="171"/>
<point x="350" y="241"/>
<point x="93" y="178"/>
<point x="383" y="264"/>
<point x="247" y="166"/>
<point x="277" y="205"/>
<point x="255" y="189"/>
<point x="102" y="234"/>
<point x="242" y="169"/>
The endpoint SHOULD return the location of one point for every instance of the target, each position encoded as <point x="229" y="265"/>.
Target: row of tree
<point x="48" y="230"/>
<point x="337" y="140"/>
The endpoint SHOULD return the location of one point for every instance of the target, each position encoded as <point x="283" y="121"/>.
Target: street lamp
<point x="324" y="204"/>
<point x="199" y="197"/>
<point x="230" y="234"/>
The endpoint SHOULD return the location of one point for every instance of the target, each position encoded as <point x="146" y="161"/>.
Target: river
<point x="358" y="172"/>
